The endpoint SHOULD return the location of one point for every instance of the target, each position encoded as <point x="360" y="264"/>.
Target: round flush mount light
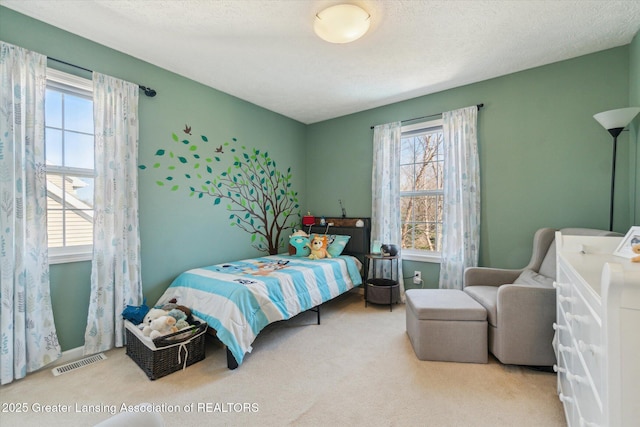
<point x="342" y="23"/>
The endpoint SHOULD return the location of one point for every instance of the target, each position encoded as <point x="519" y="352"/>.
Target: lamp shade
<point x="342" y="23"/>
<point x="614" y="119"/>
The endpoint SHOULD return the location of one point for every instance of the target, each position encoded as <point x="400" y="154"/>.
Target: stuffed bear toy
<point x="152" y="315"/>
<point x="173" y="303"/>
<point x="318" y="247"/>
<point x="299" y="244"/>
<point x="181" y="318"/>
<point x="636" y="250"/>
<point x="163" y="325"/>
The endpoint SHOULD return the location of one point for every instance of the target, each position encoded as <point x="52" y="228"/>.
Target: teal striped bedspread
<point x="239" y="299"/>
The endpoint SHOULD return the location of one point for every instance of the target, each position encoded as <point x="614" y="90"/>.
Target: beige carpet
<point x="356" y="368"/>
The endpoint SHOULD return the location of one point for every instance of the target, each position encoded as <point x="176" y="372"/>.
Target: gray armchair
<point x="521" y="304"/>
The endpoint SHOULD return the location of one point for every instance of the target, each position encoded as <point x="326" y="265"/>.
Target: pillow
<point x="337" y="244"/>
<point x="298" y="246"/>
<point x="530" y="277"/>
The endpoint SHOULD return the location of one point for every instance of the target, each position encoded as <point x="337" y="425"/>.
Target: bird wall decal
<point x="187" y="129"/>
<point x="219" y="150"/>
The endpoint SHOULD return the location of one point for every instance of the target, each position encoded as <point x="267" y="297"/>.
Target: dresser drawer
<point x="586" y="326"/>
<point x="565" y="392"/>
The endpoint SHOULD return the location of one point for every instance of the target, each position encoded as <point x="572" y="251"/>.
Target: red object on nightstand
<point x="308" y="220"/>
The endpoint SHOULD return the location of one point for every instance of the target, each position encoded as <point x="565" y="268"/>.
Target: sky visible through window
<point x="69" y="136"/>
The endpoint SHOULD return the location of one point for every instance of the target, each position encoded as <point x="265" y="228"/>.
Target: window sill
<point x="64" y="255"/>
<point x="421" y="256"/>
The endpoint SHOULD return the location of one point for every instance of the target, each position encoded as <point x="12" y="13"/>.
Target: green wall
<point x="177" y="232"/>
<point x="545" y="162"/>
<point x="634" y="101"/>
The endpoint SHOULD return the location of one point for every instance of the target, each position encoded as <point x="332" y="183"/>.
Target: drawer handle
<point x="565" y="399"/>
<point x="576" y="378"/>
<point x="562" y="298"/>
<point x="577" y="318"/>
<point x="557" y="368"/>
<point x="584" y="347"/>
<point x="585" y="423"/>
<point x="557" y="327"/>
<point x="564" y="348"/>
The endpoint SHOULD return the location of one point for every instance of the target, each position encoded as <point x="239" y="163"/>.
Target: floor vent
<point x="63" y="369"/>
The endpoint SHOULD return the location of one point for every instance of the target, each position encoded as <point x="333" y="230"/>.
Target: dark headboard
<point x="360" y="242"/>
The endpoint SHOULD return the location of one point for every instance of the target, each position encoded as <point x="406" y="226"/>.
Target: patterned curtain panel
<point x="461" y="210"/>
<point x="385" y="191"/>
<point x="29" y="339"/>
<point x="115" y="268"/>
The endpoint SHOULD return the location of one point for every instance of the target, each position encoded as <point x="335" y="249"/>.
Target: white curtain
<point x="461" y="210"/>
<point x="115" y="269"/>
<point x="29" y="340"/>
<point x="385" y="194"/>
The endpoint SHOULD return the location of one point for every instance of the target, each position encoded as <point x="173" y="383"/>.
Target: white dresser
<point x="597" y="332"/>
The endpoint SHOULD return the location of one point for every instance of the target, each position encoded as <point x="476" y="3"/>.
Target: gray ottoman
<point x="446" y="325"/>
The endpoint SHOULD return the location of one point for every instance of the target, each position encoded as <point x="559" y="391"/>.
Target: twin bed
<point x="238" y="299"/>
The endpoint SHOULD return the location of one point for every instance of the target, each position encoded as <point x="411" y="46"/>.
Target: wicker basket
<point x="168" y="353"/>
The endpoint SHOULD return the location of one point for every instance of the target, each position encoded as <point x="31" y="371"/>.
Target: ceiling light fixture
<point x="342" y="23"/>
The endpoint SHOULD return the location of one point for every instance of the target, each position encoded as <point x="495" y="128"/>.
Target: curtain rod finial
<point x="148" y="91"/>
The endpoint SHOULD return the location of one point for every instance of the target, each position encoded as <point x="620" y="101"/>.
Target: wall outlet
<point x="417" y="277"/>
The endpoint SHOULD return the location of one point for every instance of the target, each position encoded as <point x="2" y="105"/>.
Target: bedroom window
<point x="70" y="170"/>
<point x="421" y="191"/>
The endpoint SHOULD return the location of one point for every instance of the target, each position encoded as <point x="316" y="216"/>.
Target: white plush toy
<point x="163" y="325"/>
<point x="152" y="315"/>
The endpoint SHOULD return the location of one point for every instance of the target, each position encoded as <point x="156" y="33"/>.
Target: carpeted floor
<point x="356" y="368"/>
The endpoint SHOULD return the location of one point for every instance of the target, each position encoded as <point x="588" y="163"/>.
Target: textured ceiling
<point x="265" y="52"/>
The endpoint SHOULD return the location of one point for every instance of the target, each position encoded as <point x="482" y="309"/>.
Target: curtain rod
<point x="479" y="106"/>
<point x="147" y="90"/>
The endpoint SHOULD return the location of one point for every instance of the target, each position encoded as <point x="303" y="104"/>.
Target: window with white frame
<point x="70" y="169"/>
<point x="421" y="190"/>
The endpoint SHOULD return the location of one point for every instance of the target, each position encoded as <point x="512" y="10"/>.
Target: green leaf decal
<point x="143" y="167"/>
<point x="259" y="197"/>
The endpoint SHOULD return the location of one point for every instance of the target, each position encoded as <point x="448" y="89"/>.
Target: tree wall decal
<point x="258" y="195"/>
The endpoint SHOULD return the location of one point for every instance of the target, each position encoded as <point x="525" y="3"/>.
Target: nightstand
<point x="380" y="290"/>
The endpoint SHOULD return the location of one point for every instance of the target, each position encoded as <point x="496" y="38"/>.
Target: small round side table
<point x="381" y="286"/>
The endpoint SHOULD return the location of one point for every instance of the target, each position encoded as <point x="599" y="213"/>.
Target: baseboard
<point x="68" y="356"/>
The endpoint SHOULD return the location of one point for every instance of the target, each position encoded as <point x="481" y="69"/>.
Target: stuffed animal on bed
<point x="299" y="244"/>
<point x="636" y="250"/>
<point x="319" y="247"/>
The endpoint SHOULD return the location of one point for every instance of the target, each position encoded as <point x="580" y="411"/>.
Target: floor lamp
<point x="615" y="121"/>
